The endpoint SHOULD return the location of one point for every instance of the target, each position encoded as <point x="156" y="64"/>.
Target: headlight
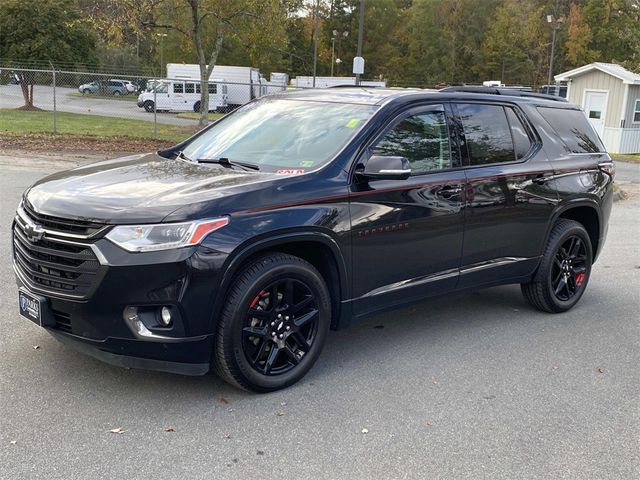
<point x="163" y="236"/>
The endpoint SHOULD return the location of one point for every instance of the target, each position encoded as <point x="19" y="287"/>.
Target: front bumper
<point x="185" y="280"/>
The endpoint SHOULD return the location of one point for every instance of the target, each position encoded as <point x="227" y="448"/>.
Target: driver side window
<point x="422" y="138"/>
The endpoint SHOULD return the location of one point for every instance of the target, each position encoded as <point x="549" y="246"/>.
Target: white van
<point x="182" y="96"/>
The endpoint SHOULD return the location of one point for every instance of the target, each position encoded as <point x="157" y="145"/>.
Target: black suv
<point x="242" y="246"/>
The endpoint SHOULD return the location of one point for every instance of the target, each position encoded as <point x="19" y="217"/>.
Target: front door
<point x="178" y="97"/>
<point x="595" y="106"/>
<point x="407" y="234"/>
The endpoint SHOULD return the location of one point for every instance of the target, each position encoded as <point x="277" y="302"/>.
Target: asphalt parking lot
<point x="475" y="386"/>
<point x="11" y="97"/>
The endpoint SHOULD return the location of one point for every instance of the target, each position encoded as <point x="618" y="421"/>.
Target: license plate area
<point x="35" y="308"/>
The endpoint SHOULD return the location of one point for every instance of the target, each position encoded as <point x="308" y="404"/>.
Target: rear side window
<point x="573" y="128"/>
<point x="178" y="88"/>
<point x="487" y="133"/>
<point x="521" y="140"/>
<point x="212" y="88"/>
<point x="189" y="88"/>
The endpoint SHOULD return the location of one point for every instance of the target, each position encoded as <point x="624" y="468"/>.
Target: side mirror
<point x="386" y="168"/>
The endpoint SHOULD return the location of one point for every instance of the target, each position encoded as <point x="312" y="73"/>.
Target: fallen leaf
<point x="36" y="347"/>
<point x="13" y="442"/>
<point x="227" y="436"/>
<point x="259" y="452"/>
<point x="600" y="370"/>
<point x="281" y="413"/>
<point x="117" y="430"/>
<point x="429" y="424"/>
<point x="365" y="430"/>
<point x="230" y="410"/>
<point x="169" y="429"/>
<point x="283" y="404"/>
<point x="224" y="401"/>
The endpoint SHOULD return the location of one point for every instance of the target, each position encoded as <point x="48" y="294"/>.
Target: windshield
<point x="282" y="133"/>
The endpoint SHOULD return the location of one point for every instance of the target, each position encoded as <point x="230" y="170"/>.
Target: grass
<point x="631" y="158"/>
<point x="16" y="122"/>
<point x="196" y="116"/>
<point x="132" y="97"/>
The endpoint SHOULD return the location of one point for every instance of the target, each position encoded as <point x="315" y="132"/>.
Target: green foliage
<point x="46" y="30"/>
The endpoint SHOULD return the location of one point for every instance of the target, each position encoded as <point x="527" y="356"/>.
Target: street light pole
<point x="360" y="29"/>
<point x="333" y="50"/>
<point x="162" y="36"/>
<point x="555" y="25"/>
<point x="315" y="40"/>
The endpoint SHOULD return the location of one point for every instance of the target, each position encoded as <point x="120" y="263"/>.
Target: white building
<point x="610" y="96"/>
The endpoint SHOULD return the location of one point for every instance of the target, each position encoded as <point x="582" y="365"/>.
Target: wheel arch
<point x="587" y="213"/>
<point x="319" y="249"/>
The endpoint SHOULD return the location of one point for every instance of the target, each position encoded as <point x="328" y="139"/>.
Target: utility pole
<point x="333" y="49"/>
<point x="315" y="40"/>
<point x="360" y="31"/>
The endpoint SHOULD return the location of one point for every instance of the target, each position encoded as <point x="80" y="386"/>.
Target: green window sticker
<point x="306" y="163"/>
<point x="353" y="123"/>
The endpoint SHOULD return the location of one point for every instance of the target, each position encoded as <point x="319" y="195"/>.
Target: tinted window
<point x="212" y="88"/>
<point x="422" y="138"/>
<point x="487" y="134"/>
<point x="521" y="140"/>
<point x="189" y="88"/>
<point x="178" y="88"/>
<point x="573" y="128"/>
<point x="197" y="88"/>
<point x="636" y="112"/>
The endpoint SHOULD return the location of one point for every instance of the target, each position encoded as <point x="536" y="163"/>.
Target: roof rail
<point x="513" y="92"/>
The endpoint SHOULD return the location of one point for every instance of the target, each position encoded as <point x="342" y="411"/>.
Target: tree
<point x="578" y="39"/>
<point x="208" y="23"/>
<point x="47" y="31"/>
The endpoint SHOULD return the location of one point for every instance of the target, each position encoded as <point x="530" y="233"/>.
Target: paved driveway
<point x="11" y="97"/>
<point x="476" y="386"/>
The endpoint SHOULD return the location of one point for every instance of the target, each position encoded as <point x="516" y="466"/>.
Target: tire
<point x="86" y="91"/>
<point x="196" y="107"/>
<point x="148" y="105"/>
<point x="564" y="270"/>
<point x="249" y="362"/>
<point x="116" y="93"/>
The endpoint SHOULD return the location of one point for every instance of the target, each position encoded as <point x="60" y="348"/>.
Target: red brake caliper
<point x="257" y="299"/>
<point x="580" y="279"/>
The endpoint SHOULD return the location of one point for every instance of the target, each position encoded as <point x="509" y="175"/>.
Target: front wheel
<point x="564" y="270"/>
<point x="273" y="325"/>
<point x="149" y="106"/>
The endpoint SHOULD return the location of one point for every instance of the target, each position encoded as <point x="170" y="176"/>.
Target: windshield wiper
<point x="225" y="162"/>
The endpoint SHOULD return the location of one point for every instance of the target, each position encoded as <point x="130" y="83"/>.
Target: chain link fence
<point x="102" y="104"/>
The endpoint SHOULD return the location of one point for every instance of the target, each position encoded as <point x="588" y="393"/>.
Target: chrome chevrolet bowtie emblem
<point x="33" y="232"/>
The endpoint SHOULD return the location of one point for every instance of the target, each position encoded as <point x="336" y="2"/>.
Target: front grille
<point x="63" y="225"/>
<point x="54" y="266"/>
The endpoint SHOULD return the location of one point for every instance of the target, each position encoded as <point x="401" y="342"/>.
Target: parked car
<point x="109" y="87"/>
<point x="239" y="248"/>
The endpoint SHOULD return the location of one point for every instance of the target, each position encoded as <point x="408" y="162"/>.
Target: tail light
<point x="609" y="168"/>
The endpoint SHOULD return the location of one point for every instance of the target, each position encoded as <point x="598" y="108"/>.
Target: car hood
<point x="141" y="188"/>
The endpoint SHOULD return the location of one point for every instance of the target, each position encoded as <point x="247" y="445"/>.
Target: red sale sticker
<point x="290" y="171"/>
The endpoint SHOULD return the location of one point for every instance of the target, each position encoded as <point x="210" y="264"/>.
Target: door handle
<point x="449" y="191"/>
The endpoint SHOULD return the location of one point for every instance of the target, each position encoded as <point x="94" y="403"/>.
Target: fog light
<point x="165" y="316"/>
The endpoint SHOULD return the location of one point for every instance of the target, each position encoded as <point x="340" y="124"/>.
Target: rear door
<point x="509" y="199"/>
<point x="407" y="234"/>
<point x="178" y="97"/>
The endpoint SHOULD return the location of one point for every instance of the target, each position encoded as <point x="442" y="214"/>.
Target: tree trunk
<point x="27" y="91"/>
<point x="205" y="70"/>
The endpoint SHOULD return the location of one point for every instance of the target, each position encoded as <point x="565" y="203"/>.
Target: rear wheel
<point x="86" y="91"/>
<point x="273" y="325"/>
<point x="564" y="269"/>
<point x="149" y="106"/>
<point x="116" y="93"/>
<point x="196" y="107"/>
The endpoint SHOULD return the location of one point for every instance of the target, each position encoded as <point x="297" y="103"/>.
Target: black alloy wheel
<point x="569" y="270"/>
<point x="273" y="324"/>
<point x="282" y="323"/>
<point x="564" y="269"/>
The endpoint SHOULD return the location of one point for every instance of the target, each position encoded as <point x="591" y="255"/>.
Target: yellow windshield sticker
<point x="353" y="123"/>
